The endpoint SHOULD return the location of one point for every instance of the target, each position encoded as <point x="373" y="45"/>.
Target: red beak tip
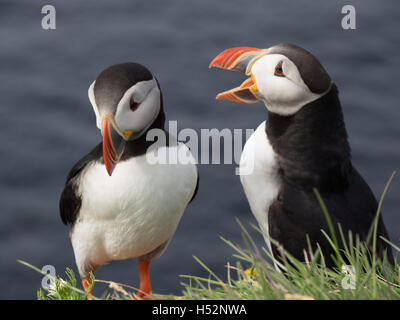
<point x="230" y="57"/>
<point x="109" y="168"/>
<point x="214" y="64"/>
<point x="109" y="156"/>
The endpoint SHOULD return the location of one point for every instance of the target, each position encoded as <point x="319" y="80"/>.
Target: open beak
<point x="239" y="59"/>
<point x="113" y="143"/>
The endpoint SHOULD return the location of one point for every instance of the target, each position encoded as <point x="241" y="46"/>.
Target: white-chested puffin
<point x="118" y="203"/>
<point x="303" y="145"/>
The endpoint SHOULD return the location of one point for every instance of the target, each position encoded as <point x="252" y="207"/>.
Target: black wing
<point x="297" y="212"/>
<point x="70" y="201"/>
<point x="197" y="185"/>
<point x="197" y="169"/>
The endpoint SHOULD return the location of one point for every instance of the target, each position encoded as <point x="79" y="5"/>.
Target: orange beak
<point x="239" y="59"/>
<point x="245" y="93"/>
<point x="113" y="146"/>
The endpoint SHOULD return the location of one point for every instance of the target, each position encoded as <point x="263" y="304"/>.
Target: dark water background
<point x="47" y="123"/>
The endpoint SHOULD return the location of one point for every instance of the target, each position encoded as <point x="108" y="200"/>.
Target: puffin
<point x="124" y="199"/>
<point x="301" y="147"/>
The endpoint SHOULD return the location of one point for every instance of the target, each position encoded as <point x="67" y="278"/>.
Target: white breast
<point x="259" y="176"/>
<point x="132" y="212"/>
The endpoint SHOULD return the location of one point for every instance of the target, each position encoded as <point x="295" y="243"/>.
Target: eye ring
<point x="134" y="105"/>
<point x="279" y="70"/>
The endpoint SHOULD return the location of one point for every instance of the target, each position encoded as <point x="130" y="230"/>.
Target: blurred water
<point x="47" y="122"/>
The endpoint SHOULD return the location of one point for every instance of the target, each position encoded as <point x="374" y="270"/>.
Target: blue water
<point x="47" y="123"/>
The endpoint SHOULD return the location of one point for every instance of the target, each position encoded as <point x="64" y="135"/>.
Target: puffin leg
<point x="86" y="283"/>
<point x="144" y="275"/>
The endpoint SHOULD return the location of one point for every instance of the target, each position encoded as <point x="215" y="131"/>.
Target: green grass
<point x="310" y="280"/>
<point x="254" y="276"/>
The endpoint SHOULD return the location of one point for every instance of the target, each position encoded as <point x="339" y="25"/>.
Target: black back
<point x="70" y="201"/>
<point x="313" y="152"/>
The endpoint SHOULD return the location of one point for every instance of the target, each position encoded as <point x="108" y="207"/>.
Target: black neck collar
<point x="312" y="145"/>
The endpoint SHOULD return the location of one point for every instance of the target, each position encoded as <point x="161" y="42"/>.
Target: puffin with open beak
<point x="119" y="204"/>
<point x="302" y="146"/>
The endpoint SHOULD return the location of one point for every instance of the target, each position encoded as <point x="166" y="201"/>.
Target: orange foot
<point x="143" y="296"/>
<point x="86" y="283"/>
<point x="145" y="286"/>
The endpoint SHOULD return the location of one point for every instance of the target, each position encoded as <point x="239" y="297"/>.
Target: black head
<point x="127" y="101"/>
<point x="113" y="82"/>
<point x="285" y="77"/>
<point x="311" y="70"/>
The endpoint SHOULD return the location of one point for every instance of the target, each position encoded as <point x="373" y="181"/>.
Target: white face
<point x="137" y="109"/>
<point x="280" y="85"/>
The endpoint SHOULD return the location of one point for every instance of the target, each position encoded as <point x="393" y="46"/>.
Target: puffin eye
<point x="278" y="70"/>
<point x="134" y="105"/>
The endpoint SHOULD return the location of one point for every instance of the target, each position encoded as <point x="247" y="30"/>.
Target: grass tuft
<point x="361" y="277"/>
